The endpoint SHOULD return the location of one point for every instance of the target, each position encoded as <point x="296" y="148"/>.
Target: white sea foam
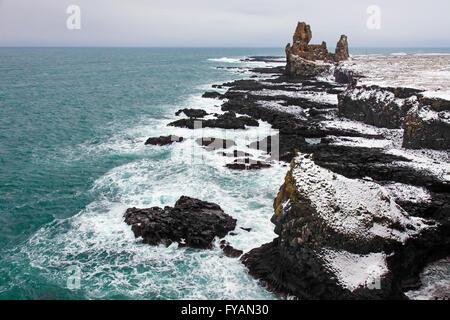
<point x="115" y="264"/>
<point x="226" y="60"/>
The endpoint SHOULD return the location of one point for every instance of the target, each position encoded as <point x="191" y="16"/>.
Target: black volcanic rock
<point x="235" y="154"/>
<point x="301" y="56"/>
<point x="228" y="120"/>
<point x="427" y="128"/>
<point x="192" y="113"/>
<point x="163" y="140"/>
<point x="341" y="53"/>
<point x="345" y="77"/>
<point x="213" y="95"/>
<point x="191" y="222"/>
<point x="212" y="144"/>
<point x="381" y="107"/>
<point x="229" y="250"/>
<point x="247" y="164"/>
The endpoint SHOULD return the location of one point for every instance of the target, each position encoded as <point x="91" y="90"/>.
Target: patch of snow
<point x="437" y="94"/>
<point x="429" y="115"/>
<point x="434" y="162"/>
<point x="313" y="140"/>
<point x="355" y="271"/>
<point x="321" y="97"/>
<point x="406" y="192"/>
<point x="429" y="72"/>
<point x="360" y="142"/>
<point x="384" y="97"/>
<point x="345" y="124"/>
<point x="358" y="208"/>
<point x="299" y="112"/>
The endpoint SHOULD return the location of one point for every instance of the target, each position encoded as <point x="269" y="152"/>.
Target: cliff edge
<point x="341" y="238"/>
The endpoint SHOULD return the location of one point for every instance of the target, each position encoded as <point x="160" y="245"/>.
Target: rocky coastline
<point x="366" y="202"/>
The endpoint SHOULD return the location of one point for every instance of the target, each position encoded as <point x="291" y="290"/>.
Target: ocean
<point x="72" y="157"/>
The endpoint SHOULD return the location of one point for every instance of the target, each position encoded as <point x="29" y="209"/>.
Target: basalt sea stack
<point x="302" y="57"/>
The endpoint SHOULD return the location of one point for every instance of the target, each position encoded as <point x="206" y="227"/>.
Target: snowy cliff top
<point x="421" y="71"/>
<point x="358" y="208"/>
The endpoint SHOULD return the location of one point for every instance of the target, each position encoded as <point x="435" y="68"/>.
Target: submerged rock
<point x="163" y="140"/>
<point x="191" y="222"/>
<point x="229" y="251"/>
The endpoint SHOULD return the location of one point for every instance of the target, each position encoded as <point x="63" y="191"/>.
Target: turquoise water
<point x="72" y="160"/>
<point x="72" y="157"/>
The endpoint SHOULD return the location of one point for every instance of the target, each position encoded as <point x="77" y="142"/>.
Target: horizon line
<point x="222" y="47"/>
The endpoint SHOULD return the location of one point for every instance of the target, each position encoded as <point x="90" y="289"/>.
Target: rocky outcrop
<point x="426" y="127"/>
<point x="163" y="140"/>
<point x="191" y="222"/>
<point x="426" y="121"/>
<point x="192" y="113"/>
<point x="341" y="53"/>
<point x="302" y="55"/>
<point x="345" y="76"/>
<point x="247" y="164"/>
<point x="381" y="107"/>
<point x="228" y="120"/>
<point x="212" y="144"/>
<point x="229" y="250"/>
<point x="300" y="67"/>
<point x="341" y="238"/>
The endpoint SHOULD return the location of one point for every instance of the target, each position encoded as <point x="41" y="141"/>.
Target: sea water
<point x="72" y="159"/>
<point x="72" y="131"/>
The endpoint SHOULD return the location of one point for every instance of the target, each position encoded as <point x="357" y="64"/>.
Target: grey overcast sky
<point x="242" y="23"/>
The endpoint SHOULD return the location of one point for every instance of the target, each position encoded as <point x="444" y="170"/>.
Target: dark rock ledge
<point x="192" y="113"/>
<point x="191" y="222"/>
<point x="228" y="120"/>
<point x="163" y="140"/>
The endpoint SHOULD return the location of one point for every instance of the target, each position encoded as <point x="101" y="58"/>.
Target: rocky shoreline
<point x="366" y="203"/>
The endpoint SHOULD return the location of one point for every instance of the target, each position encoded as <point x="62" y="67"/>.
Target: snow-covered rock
<point x="342" y="238"/>
<point x="426" y="127"/>
<point x="381" y="107"/>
